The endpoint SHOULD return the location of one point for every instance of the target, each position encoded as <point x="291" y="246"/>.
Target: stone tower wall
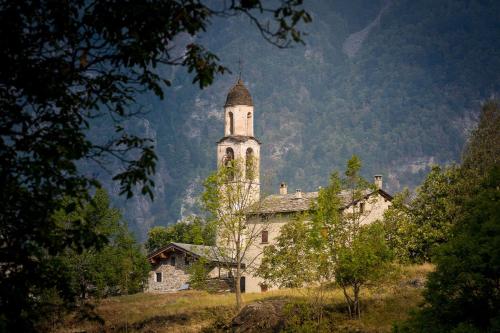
<point x="242" y="120"/>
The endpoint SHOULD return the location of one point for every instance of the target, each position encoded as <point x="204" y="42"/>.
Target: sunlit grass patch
<point x="195" y="311"/>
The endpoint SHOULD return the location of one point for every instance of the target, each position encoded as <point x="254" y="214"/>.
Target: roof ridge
<point x="287" y="203"/>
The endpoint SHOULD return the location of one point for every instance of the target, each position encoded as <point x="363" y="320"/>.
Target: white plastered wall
<point x="273" y="227"/>
<point x="375" y="206"/>
<point x="242" y="123"/>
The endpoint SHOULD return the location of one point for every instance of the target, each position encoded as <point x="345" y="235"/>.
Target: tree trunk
<point x="320" y="304"/>
<point x="238" y="287"/>
<point x="238" y="277"/>
<point x="83" y="291"/>
<point x="357" y="310"/>
<point x="347" y="301"/>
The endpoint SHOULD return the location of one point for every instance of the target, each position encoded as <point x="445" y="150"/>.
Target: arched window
<point x="228" y="162"/>
<point x="231" y="123"/>
<point x="249" y="123"/>
<point x="249" y="164"/>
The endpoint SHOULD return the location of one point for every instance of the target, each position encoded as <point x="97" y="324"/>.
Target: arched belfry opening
<point x="249" y="124"/>
<point x="229" y="156"/>
<point x="231" y="123"/>
<point x="249" y="164"/>
<point x="228" y="162"/>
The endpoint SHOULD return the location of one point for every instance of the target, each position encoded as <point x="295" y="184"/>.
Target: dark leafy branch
<point x="63" y="65"/>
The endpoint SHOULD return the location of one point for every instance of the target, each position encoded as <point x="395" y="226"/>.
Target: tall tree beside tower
<point x="234" y="188"/>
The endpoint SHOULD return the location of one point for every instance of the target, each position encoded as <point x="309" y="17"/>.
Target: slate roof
<point x="209" y="252"/>
<point x="239" y="95"/>
<point x="290" y="203"/>
<point x="197" y="250"/>
<point x="285" y="203"/>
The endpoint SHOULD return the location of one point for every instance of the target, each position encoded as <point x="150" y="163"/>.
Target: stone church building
<point x="169" y="264"/>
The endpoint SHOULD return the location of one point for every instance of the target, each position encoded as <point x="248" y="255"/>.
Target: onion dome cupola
<point x="238" y="95"/>
<point x="238" y="111"/>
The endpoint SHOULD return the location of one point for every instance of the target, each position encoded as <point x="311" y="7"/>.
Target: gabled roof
<point x="199" y="250"/>
<point x="290" y="203"/>
<point x="211" y="253"/>
<point x="195" y="250"/>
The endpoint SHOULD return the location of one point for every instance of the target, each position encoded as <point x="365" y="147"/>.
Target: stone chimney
<point x="283" y="188"/>
<point x="298" y="193"/>
<point x="377" y="179"/>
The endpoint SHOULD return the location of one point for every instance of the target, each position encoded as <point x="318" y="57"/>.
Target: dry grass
<point x="192" y="311"/>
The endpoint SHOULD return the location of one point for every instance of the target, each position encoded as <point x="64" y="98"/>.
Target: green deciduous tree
<point x="191" y="230"/>
<point x="482" y="151"/>
<point x="358" y="253"/>
<point x="198" y="274"/>
<point x="367" y="259"/>
<point x="416" y="226"/>
<point x="433" y="210"/>
<point x="291" y="262"/>
<point x="64" y="64"/>
<point x="114" y="266"/>
<point x="230" y="194"/>
<point x="399" y="229"/>
<point x="463" y="294"/>
<point x="331" y="244"/>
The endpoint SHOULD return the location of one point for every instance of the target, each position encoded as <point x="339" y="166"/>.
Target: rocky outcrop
<point x="261" y="316"/>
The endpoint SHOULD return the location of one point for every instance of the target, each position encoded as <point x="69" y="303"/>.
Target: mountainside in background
<point x="398" y="83"/>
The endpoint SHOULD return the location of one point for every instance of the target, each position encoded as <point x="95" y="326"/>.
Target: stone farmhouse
<point x="169" y="264"/>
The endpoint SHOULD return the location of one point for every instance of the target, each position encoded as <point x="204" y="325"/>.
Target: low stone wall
<point x="220" y="284"/>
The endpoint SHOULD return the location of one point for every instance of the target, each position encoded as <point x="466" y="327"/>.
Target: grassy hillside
<point x="194" y="311"/>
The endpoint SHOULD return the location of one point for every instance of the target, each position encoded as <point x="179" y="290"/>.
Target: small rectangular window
<point x="186" y="260"/>
<point x="158" y="277"/>
<point x="172" y="260"/>
<point x="361" y="207"/>
<point x="264" y="236"/>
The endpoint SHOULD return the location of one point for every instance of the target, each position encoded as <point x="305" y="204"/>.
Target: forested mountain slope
<point x="398" y="83"/>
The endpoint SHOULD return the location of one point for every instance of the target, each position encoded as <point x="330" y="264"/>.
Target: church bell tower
<point x="239" y="143"/>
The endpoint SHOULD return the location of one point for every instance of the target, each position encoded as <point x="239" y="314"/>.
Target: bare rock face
<point x="354" y="42"/>
<point x="261" y="316"/>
